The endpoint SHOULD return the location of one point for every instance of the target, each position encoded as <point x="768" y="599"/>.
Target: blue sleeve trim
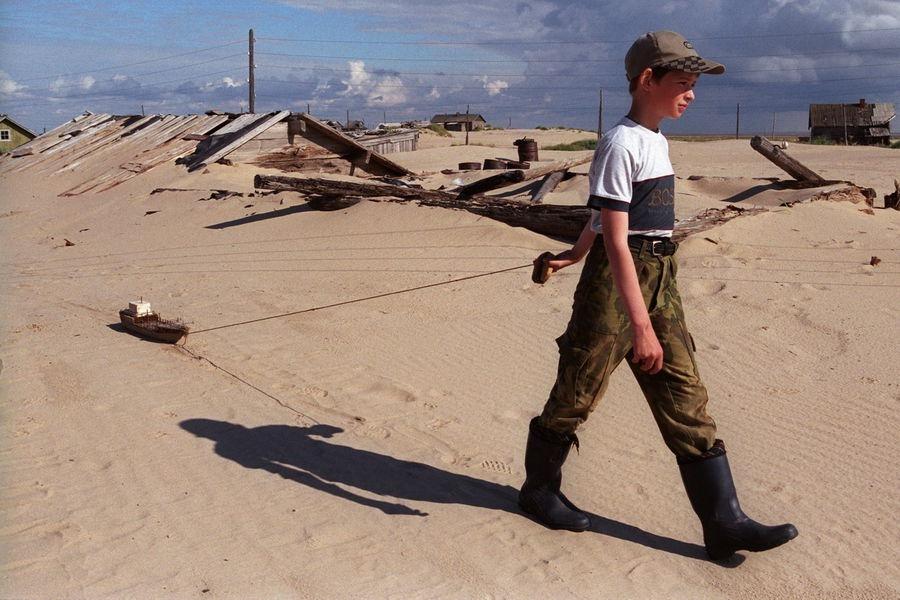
<point x="598" y="202"/>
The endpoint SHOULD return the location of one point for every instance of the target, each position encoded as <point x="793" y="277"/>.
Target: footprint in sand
<point x="705" y="288"/>
<point x="497" y="466"/>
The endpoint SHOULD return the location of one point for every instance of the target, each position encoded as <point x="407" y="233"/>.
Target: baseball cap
<point x="667" y="49"/>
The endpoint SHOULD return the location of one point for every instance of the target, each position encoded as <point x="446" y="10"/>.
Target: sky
<point x="517" y="63"/>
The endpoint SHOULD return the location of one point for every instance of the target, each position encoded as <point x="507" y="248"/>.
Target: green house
<point x="12" y="134"/>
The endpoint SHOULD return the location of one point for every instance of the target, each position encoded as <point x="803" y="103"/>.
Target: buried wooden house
<point x="860" y="123"/>
<point x="299" y="142"/>
<point x="100" y="151"/>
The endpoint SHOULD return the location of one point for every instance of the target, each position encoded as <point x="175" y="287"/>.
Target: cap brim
<point x="712" y="68"/>
<point x="695" y="64"/>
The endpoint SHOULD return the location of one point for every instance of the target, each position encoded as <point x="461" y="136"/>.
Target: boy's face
<point x="672" y="94"/>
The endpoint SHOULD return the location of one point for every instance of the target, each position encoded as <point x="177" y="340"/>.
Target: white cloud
<point x="57" y="84"/>
<point x="87" y="82"/>
<point x="387" y="90"/>
<point x="8" y="85"/>
<point x="495" y="87"/>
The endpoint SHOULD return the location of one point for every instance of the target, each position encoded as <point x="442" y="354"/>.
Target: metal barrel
<point x="528" y="149"/>
<point x="470" y="166"/>
<point x="492" y="163"/>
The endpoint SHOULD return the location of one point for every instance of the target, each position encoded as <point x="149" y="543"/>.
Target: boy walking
<point x="627" y="306"/>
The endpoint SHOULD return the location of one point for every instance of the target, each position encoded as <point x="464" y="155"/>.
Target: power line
<point x="204" y="62"/>
<point x="141" y="62"/>
<point x="57" y="99"/>
<point x="579" y="75"/>
<point x="551" y="88"/>
<point x="565" y="42"/>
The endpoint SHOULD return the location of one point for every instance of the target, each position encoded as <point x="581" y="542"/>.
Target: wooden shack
<point x="459" y="121"/>
<point x="859" y="123"/>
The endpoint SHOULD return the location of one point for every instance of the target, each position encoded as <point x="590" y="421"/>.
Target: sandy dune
<point x="374" y="449"/>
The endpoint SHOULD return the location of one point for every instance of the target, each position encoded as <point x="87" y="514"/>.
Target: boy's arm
<point x="576" y="252"/>
<point x="647" y="352"/>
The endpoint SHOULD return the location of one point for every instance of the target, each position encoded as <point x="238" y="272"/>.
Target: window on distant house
<point x="4" y="135"/>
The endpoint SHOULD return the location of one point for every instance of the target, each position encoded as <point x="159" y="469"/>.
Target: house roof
<point x="103" y="150"/>
<point x="457" y="118"/>
<point x="867" y="115"/>
<point x="17" y="125"/>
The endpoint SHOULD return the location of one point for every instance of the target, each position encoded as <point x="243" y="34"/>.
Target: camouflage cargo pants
<point x="599" y="337"/>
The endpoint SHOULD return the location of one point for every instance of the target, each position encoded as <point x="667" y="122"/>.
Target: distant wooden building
<point x="459" y="121"/>
<point x="862" y="123"/>
<point x="12" y="134"/>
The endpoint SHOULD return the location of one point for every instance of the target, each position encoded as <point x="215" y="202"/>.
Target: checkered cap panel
<point x="688" y="64"/>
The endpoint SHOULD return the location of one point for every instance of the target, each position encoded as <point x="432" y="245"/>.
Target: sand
<point x="374" y="449"/>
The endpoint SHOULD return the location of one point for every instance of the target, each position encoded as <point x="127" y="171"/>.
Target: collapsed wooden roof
<point x="106" y="150"/>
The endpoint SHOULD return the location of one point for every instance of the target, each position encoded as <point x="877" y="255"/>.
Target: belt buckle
<point x="653" y="251"/>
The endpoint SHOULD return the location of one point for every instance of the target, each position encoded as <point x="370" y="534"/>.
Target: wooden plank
<point x="547" y="185"/>
<point x="783" y="160"/>
<point x="260" y="126"/>
<point x="516" y="176"/>
<point x="355" y="147"/>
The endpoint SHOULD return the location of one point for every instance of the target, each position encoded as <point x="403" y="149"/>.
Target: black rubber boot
<point x="540" y="497"/>
<point x="726" y="529"/>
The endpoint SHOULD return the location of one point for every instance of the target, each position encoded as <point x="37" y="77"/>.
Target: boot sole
<point x="536" y="518"/>
<point x="723" y="554"/>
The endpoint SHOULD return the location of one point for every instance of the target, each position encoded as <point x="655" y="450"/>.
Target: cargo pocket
<point x="689" y="345"/>
<point x="583" y="370"/>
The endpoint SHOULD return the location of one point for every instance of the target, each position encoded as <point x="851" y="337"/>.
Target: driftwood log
<point x="784" y="161"/>
<point x="517" y="176"/>
<point x="556" y="221"/>
<point x="564" y="222"/>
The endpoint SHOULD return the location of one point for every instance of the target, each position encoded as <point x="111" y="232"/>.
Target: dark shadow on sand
<point x="272" y="214"/>
<point x="302" y="455"/>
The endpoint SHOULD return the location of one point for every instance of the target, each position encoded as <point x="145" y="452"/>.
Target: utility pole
<point x="600" y="117"/>
<point x="737" y="123"/>
<point x="348" y="118"/>
<point x="384" y="116"/>
<point x="773" y="124"/>
<point x="252" y="87"/>
<point x="468" y="125"/>
<point x="844" y="119"/>
<point x="510" y="123"/>
<point x="142" y="110"/>
<point x="309" y="112"/>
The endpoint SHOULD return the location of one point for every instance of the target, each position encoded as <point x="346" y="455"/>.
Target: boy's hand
<point x="646" y="351"/>
<point x="562" y="260"/>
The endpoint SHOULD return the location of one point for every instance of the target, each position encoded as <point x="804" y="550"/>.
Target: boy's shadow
<point x="301" y="454"/>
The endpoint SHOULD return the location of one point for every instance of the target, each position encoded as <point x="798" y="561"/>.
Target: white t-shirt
<point x="631" y="172"/>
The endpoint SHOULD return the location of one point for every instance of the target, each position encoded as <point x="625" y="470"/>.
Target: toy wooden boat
<point x="140" y="320"/>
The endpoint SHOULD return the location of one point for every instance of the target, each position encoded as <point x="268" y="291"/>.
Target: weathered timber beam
<point x="783" y="160"/>
<point x="547" y="185"/>
<point x="508" y="177"/>
<point x="558" y="221"/>
<point x="313" y="186"/>
<point x="491" y="183"/>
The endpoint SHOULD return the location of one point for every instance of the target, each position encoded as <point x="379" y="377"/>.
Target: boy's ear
<point x="645" y="77"/>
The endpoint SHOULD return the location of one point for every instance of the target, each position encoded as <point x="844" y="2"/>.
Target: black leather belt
<point x="653" y="246"/>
